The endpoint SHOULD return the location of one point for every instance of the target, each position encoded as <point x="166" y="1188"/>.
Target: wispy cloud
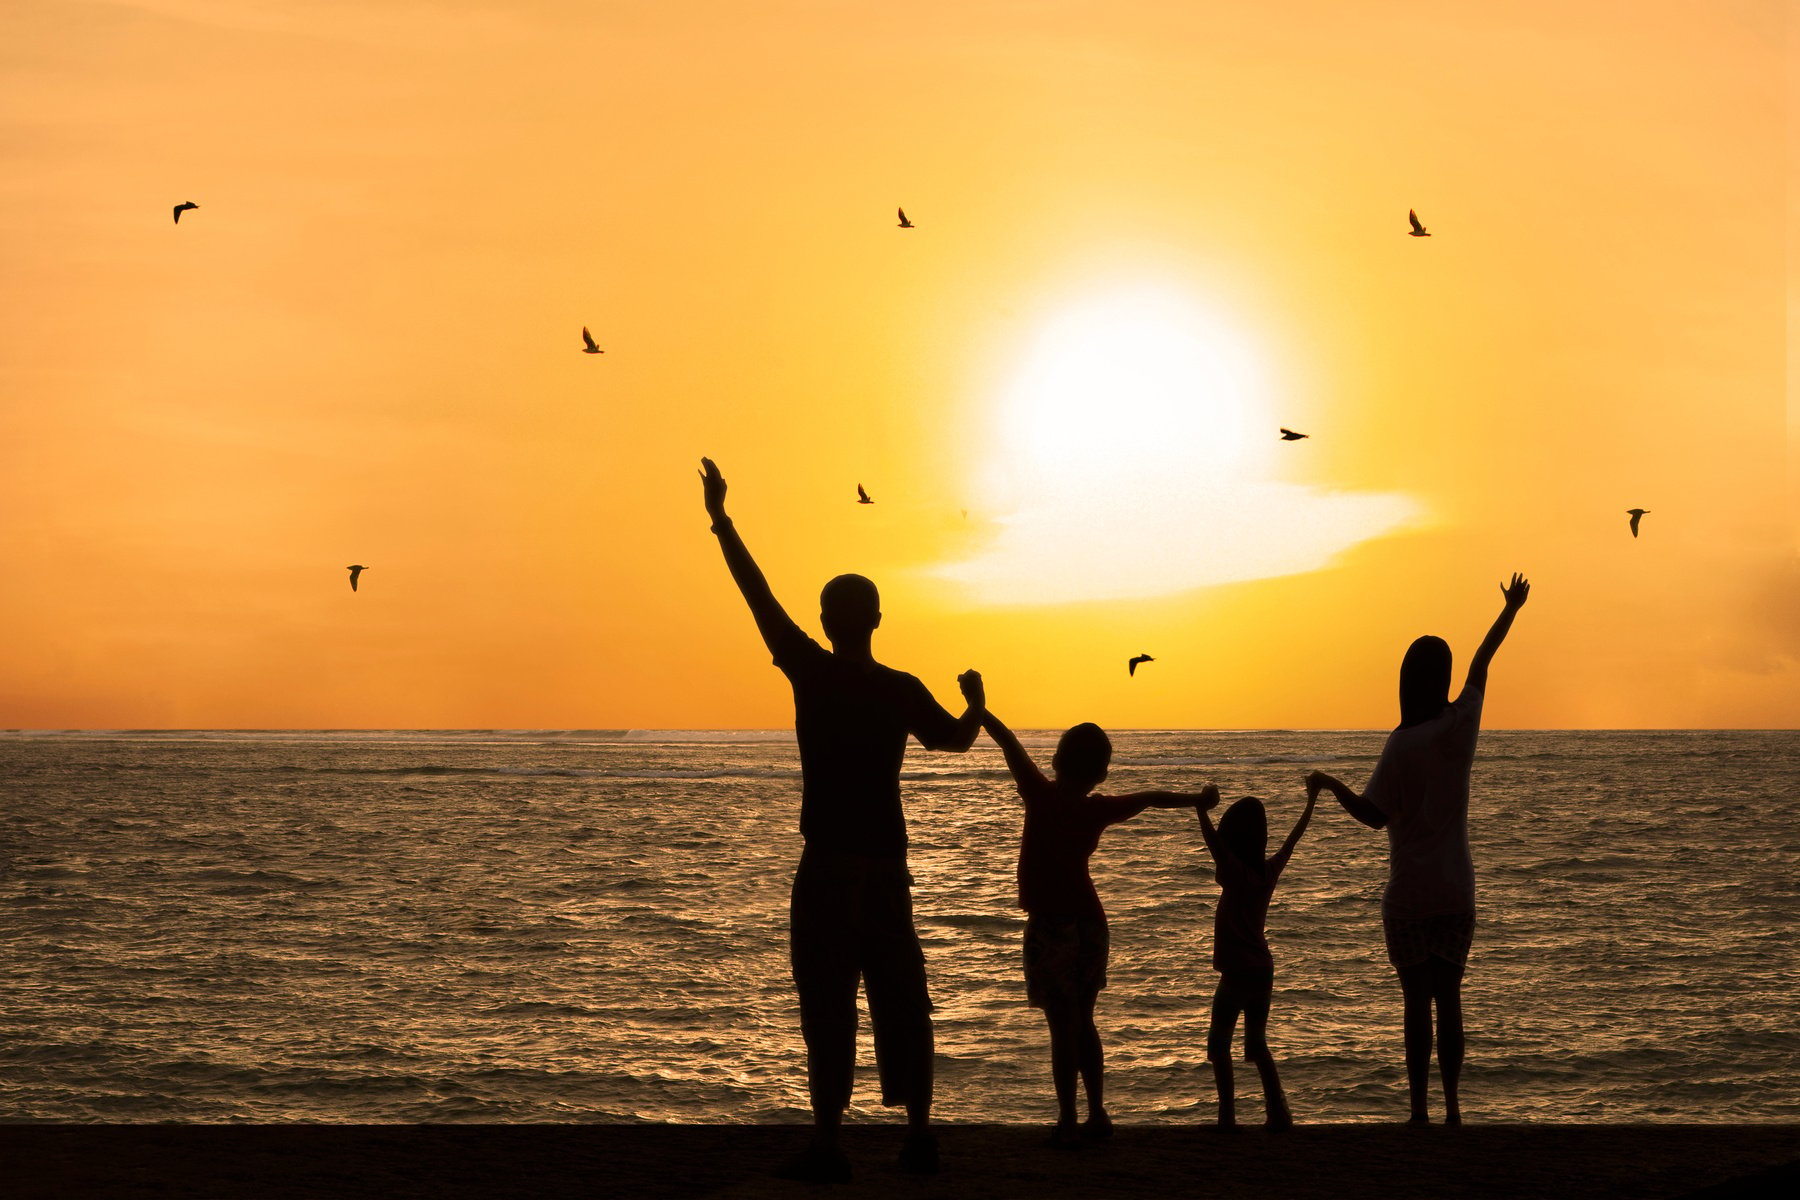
<point x="1170" y="535"/>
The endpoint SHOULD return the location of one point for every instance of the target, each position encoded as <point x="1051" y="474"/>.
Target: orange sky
<point x="364" y="347"/>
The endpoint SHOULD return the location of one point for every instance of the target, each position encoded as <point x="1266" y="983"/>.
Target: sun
<point x="1133" y="455"/>
<point x="1125" y="383"/>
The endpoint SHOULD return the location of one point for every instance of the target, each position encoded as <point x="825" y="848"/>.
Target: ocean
<point x="590" y="925"/>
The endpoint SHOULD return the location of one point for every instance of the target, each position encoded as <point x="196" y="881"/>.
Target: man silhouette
<point x="851" y="911"/>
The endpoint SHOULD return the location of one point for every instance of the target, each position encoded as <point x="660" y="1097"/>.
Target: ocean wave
<point x="259" y="878"/>
<point x="451" y="771"/>
<point x="1247" y="760"/>
<point x="719" y="737"/>
<point x="1008" y="921"/>
<point x="544" y="1008"/>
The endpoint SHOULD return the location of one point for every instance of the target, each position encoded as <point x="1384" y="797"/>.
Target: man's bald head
<point x="849" y="608"/>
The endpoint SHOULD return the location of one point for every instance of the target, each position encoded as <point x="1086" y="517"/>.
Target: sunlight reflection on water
<point x="507" y="927"/>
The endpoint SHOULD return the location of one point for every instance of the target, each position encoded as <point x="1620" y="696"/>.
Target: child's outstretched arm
<point x="1280" y="861"/>
<point x="1017" y="761"/>
<point x="1515" y="594"/>
<point x="1353" y="804"/>
<point x="1128" y="806"/>
<point x="1206" y="797"/>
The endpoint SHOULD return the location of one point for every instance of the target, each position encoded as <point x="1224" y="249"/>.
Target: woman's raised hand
<point x="1516" y="592"/>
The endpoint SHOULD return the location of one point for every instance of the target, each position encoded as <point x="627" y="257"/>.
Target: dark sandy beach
<point x="1340" y="1162"/>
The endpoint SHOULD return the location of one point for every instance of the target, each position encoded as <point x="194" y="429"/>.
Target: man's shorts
<point x="1065" y="960"/>
<point x="1413" y="940"/>
<point x="851" y="918"/>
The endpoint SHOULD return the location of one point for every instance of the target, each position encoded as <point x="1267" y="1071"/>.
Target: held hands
<point x="714" y="485"/>
<point x="1516" y="592"/>
<point x="972" y="689"/>
<point x="1209" y="798"/>
<point x="1314" y="782"/>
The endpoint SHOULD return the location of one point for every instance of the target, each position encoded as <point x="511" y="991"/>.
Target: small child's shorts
<point x="1065" y="960"/>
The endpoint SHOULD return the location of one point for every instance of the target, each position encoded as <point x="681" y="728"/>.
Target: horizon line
<point x="775" y="729"/>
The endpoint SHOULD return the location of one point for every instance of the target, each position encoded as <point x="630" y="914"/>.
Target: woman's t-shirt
<point x="1422" y="785"/>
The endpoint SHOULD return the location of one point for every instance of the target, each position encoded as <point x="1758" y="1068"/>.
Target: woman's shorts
<point x="1413" y="940"/>
<point x="1065" y="960"/>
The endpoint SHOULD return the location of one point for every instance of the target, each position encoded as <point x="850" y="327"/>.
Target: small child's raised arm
<point x="1017" y="761"/>
<point x="1293" y="839"/>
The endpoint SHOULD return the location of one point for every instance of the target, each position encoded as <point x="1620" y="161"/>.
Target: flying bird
<point x="1288" y="435"/>
<point x="862" y="497"/>
<point x="1132" y="666"/>
<point x="1635" y="514"/>
<point x="355" y="570"/>
<point x="1418" y="230"/>
<point x="183" y="207"/>
<point x="904" y="223"/>
<point x="590" y="346"/>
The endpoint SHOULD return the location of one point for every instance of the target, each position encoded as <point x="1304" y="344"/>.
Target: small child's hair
<point x="1083" y="754"/>
<point x="1244" y="830"/>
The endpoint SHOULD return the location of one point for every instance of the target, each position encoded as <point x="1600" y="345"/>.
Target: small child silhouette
<point x="1241" y="949"/>
<point x="1066" y="939"/>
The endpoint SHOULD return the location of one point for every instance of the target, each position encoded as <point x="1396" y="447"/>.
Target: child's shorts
<point x="1412" y="940"/>
<point x="1065" y="960"/>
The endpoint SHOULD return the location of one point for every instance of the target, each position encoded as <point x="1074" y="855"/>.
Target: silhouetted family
<point x="851" y="914"/>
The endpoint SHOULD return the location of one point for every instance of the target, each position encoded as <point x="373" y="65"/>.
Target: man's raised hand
<point x="714" y="485"/>
<point x="1209" y="797"/>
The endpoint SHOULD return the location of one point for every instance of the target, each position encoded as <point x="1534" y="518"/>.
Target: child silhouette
<point x="1066" y="938"/>
<point x="1241" y="949"/>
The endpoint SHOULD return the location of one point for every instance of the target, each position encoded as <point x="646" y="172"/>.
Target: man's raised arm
<point x="958" y="733"/>
<point x="772" y="620"/>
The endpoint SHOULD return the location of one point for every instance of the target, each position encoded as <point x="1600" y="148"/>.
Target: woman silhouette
<point x="1419" y="792"/>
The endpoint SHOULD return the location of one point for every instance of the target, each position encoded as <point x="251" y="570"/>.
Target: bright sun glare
<point x="1134" y="455"/>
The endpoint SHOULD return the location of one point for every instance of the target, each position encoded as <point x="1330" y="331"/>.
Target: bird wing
<point x="1414" y="218"/>
<point x="587" y="337"/>
<point x="860" y="494"/>
<point x="178" y="209"/>
<point x="902" y="213"/>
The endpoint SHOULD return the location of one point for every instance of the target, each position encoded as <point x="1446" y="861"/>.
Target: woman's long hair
<point x="1424" y="680"/>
